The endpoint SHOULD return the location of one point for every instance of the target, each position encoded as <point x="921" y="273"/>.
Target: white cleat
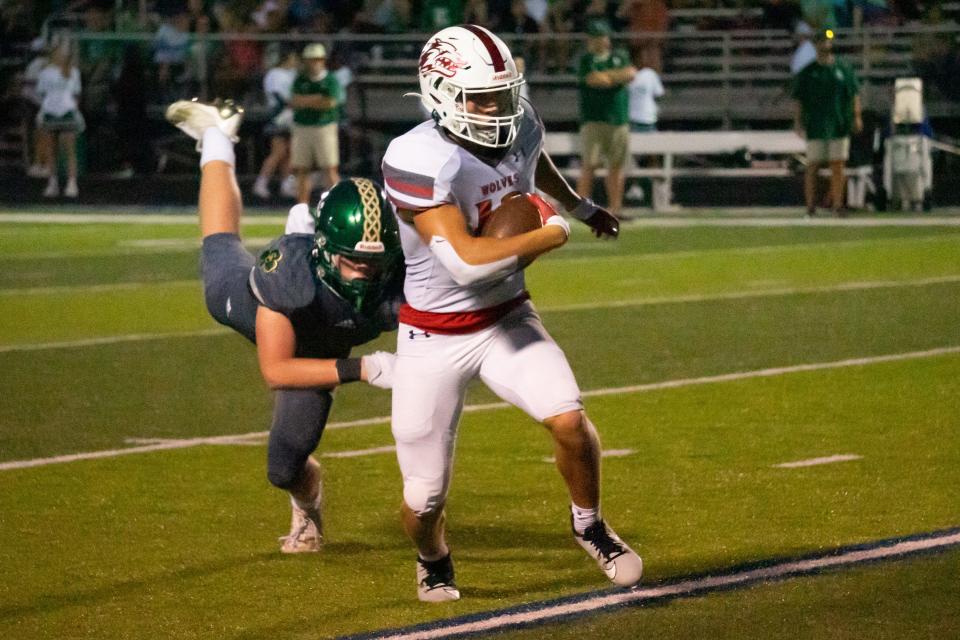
<point x="72" y="191"/>
<point x="306" y="531"/>
<point x="194" y="117"/>
<point x="435" y="581"/>
<point x="619" y="562"/>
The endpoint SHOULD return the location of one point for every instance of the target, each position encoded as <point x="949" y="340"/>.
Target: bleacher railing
<point x="744" y="71"/>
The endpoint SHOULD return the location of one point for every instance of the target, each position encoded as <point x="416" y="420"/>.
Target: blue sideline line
<point x="449" y="623"/>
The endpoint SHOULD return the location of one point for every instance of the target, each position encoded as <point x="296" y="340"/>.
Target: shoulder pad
<point x="416" y="169"/>
<point x="283" y="279"/>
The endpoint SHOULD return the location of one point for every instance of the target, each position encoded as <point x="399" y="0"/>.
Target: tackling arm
<point x="281" y="369"/>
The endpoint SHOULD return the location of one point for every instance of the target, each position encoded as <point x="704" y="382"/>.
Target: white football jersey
<point x="423" y="169"/>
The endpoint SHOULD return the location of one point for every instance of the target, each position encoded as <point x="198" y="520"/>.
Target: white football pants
<point x="516" y="358"/>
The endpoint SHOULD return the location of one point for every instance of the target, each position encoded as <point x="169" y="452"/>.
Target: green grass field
<point x="104" y="339"/>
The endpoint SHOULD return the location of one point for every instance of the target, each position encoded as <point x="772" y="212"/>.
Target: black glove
<point x="597" y="218"/>
<point x="603" y="223"/>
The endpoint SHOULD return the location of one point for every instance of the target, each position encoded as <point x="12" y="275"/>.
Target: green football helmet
<point x="353" y="221"/>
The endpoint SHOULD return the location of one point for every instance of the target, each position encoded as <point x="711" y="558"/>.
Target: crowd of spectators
<point x="168" y="56"/>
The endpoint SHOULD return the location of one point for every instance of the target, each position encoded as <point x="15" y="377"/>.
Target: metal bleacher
<point x="714" y="79"/>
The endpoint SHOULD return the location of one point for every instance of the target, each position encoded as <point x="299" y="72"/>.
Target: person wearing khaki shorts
<point x="315" y="146"/>
<point x="828" y="111"/>
<point x="315" y="100"/>
<point x="604" y="74"/>
<point x="605" y="143"/>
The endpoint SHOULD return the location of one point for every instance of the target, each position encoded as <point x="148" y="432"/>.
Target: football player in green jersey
<point x="309" y="298"/>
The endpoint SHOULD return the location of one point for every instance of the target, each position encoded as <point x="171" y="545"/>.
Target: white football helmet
<point x="470" y="63"/>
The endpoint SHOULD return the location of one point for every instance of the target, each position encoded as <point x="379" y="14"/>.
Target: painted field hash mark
<point x="535" y="614"/>
<point x="812" y="462"/>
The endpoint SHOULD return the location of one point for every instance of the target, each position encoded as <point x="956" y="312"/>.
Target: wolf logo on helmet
<point x="441" y="57"/>
<point x="353" y="221"/>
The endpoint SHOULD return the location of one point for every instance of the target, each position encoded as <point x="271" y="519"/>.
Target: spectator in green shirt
<point x="440" y="14"/>
<point x="828" y="111"/>
<point x="315" y="100"/>
<point x="603" y="75"/>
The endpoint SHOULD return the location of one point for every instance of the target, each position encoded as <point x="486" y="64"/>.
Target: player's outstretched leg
<point x="577" y="449"/>
<point x="214" y="126"/>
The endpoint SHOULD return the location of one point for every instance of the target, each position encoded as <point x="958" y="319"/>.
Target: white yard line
<point x="746" y="251"/>
<point x="188" y="217"/>
<point x="612" y="304"/>
<point x="59" y="290"/>
<point x="257" y="439"/>
<point x="183" y="243"/>
<point x="798" y="221"/>
<point x="359" y="452"/>
<point x="130" y="337"/>
<point x="812" y="462"/>
<point x="755" y="293"/>
<point x="538" y="613"/>
<point x="750" y="293"/>
<point x="608" y="453"/>
<point x="639" y="388"/>
<point x="179" y="245"/>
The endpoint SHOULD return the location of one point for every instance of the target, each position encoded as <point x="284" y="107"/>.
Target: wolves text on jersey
<point x="502" y="183"/>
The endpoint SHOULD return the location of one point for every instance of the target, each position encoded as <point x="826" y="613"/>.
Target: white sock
<point x="583" y="518"/>
<point x="312" y="505"/>
<point x="215" y="145"/>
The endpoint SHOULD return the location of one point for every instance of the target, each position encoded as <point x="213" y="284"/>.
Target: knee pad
<point x="424" y="496"/>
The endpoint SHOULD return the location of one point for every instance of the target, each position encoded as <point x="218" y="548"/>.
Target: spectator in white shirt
<point x="644" y="90"/>
<point x="58" y="88"/>
<point x="805" y="53"/>
<point x="38" y="142"/>
<point x="277" y="86"/>
<point x="171" y="51"/>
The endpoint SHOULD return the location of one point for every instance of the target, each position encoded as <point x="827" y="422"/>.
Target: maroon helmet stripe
<point x="495" y="56"/>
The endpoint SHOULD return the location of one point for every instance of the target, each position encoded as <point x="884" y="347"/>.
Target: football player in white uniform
<point x="467" y="312"/>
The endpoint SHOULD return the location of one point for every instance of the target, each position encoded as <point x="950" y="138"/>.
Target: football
<point x="516" y="214"/>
